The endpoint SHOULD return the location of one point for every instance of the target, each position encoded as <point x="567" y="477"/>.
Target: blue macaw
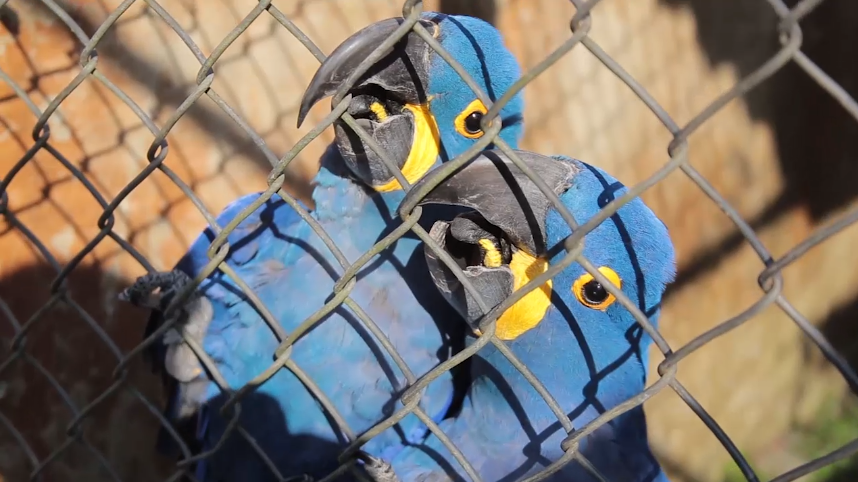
<point x="585" y="348"/>
<point x="416" y="107"/>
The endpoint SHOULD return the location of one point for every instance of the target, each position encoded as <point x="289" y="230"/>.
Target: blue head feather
<point x="633" y="242"/>
<point x="480" y="49"/>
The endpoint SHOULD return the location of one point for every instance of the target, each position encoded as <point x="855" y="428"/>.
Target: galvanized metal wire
<point x="770" y="279"/>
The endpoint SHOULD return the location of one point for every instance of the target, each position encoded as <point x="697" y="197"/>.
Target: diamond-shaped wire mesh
<point x="770" y="279"/>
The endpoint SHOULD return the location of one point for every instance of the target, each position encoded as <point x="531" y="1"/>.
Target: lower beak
<point x="493" y="284"/>
<point x="409" y="138"/>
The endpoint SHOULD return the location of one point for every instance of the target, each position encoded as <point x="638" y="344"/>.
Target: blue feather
<point x="480" y="49"/>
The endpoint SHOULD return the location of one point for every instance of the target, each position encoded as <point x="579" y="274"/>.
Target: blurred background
<point x="784" y="156"/>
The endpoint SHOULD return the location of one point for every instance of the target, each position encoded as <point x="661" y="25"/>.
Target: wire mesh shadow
<point x="788" y="33"/>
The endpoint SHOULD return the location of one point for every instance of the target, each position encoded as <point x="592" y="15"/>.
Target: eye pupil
<point x="472" y="122"/>
<point x="594" y="292"/>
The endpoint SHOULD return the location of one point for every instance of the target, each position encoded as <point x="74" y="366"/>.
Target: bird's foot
<point x="141" y="294"/>
<point x="378" y="469"/>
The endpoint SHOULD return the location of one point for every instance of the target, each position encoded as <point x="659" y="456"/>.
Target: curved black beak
<point x="500" y="192"/>
<point x="402" y="72"/>
<point x="509" y="216"/>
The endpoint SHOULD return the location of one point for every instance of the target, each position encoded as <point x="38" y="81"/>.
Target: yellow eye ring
<point x="468" y="121"/>
<point x="592" y="294"/>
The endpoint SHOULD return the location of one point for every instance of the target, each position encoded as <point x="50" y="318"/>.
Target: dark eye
<point x="591" y="293"/>
<point x="467" y="123"/>
<point x="472" y="122"/>
<point x="594" y="293"/>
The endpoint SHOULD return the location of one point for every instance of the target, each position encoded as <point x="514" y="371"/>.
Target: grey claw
<point x="140" y="293"/>
<point x="378" y="469"/>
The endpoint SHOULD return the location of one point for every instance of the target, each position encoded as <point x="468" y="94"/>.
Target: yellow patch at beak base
<point x="527" y="312"/>
<point x="424" y="149"/>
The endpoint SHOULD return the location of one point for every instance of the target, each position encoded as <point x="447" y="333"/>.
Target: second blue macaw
<point x="571" y="333"/>
<point x="416" y="107"/>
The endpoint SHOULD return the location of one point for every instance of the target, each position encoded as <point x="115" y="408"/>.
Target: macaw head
<point x="515" y="233"/>
<point x="412" y="102"/>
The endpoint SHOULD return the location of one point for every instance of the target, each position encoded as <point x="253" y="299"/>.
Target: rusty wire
<point x="770" y="279"/>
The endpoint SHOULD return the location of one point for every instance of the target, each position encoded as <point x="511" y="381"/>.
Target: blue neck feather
<point x="339" y="195"/>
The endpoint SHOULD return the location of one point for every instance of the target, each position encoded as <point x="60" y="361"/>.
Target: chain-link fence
<point x="770" y="279"/>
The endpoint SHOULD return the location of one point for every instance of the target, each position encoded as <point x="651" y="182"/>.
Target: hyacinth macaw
<point x="416" y="107"/>
<point x="583" y="345"/>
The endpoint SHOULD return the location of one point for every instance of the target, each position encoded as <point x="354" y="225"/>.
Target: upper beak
<point x="402" y="72"/>
<point x="504" y="195"/>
